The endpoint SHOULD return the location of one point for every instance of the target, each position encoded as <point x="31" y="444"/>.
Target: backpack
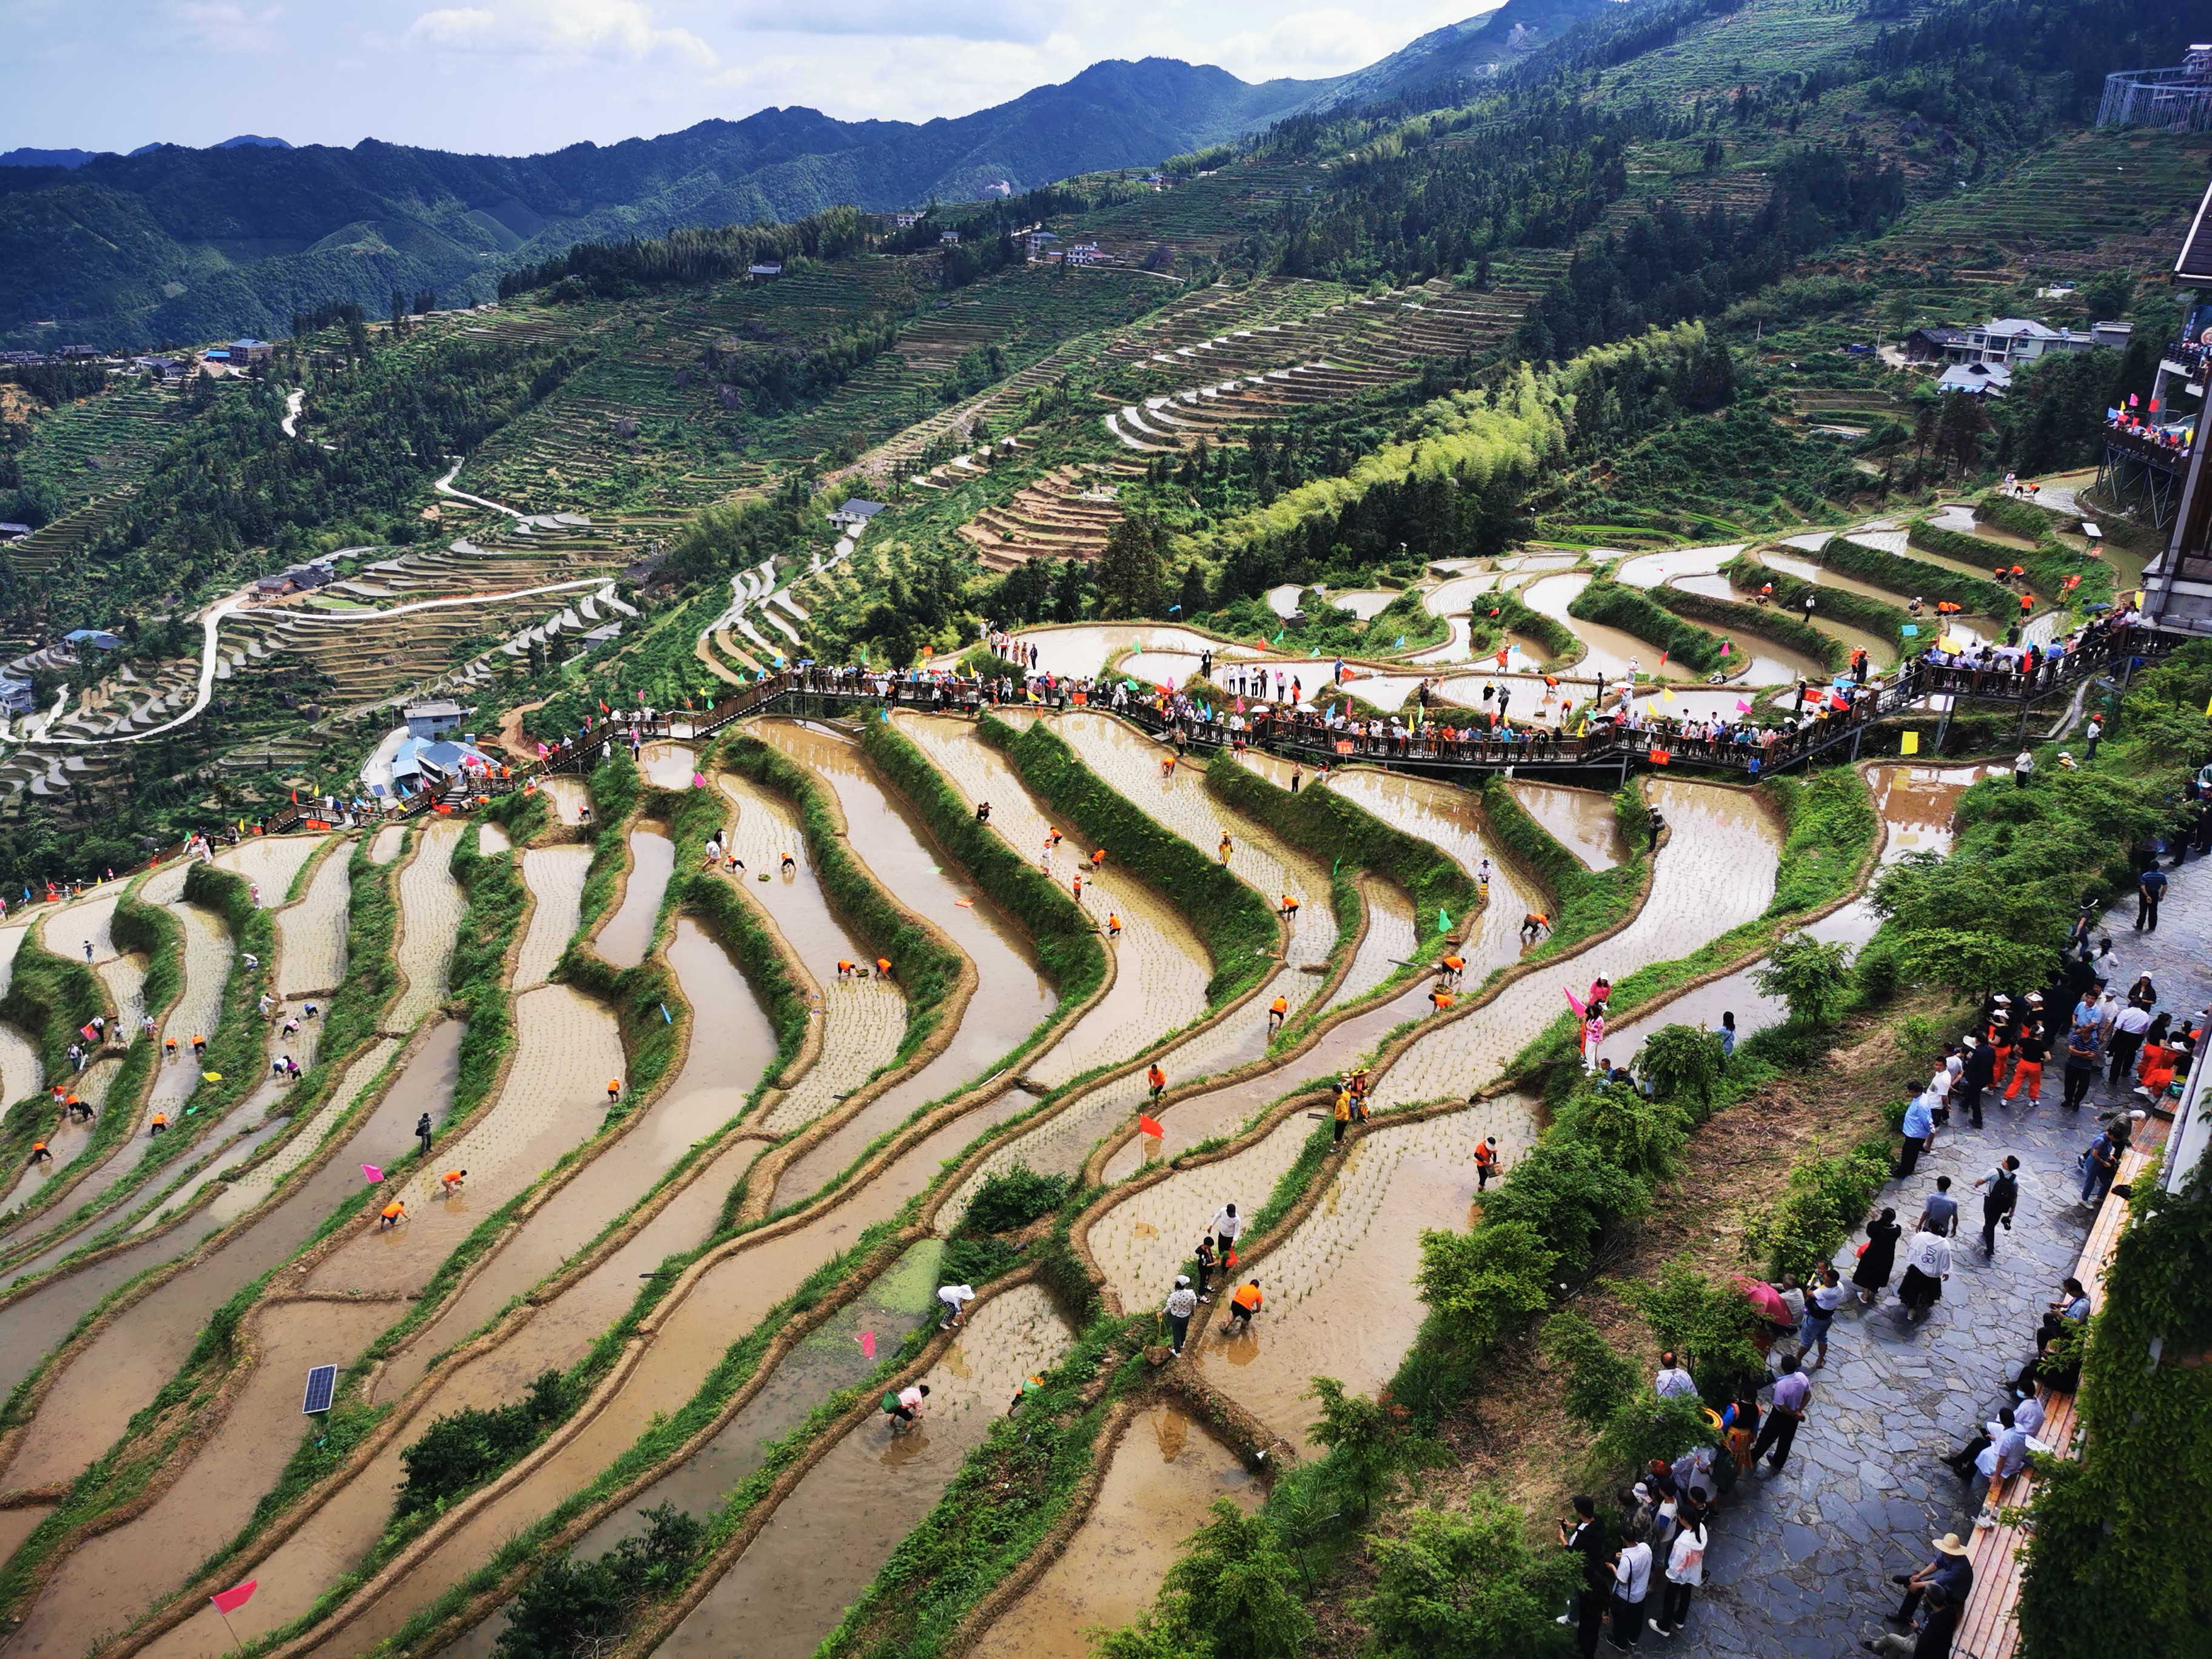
<point x="891" y="1401"/>
<point x="2004" y="1191"/>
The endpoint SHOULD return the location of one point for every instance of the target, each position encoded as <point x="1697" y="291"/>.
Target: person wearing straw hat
<point x="1949" y="1571"/>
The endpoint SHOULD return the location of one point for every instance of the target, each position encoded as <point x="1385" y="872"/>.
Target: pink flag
<point x="1575" y="1002"/>
<point x="1741" y="707"/>
<point x="1724" y="648"/>
<point x="236" y="1596"/>
<point x="868" y="1344"/>
<point x="373" y="1174"/>
<point x="698" y="779"/>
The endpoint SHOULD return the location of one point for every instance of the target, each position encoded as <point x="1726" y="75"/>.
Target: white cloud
<point x="1027" y="21"/>
<point x="224" y="27"/>
<point x="620" y="31"/>
<point x="1307" y="43"/>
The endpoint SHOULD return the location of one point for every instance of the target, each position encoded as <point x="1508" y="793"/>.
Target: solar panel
<point x="322" y="1384"/>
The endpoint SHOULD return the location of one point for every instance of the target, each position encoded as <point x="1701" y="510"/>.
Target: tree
<point x="1811" y="977"/>
<point x="1709" y="1326"/>
<point x="1228" y="1597"/>
<point x="1482" y="1284"/>
<point x="1963" y="421"/>
<point x="1467" y="1587"/>
<point x="1369" y="1441"/>
<point x="1068" y="591"/>
<point x="1192" y="596"/>
<point x="1683" y="1063"/>
<point x="1600" y="1377"/>
<point x="1129" y="571"/>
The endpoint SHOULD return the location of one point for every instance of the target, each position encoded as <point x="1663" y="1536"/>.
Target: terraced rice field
<point x="848" y="1138"/>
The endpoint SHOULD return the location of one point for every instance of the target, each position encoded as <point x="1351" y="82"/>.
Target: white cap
<point x="1182" y="1280"/>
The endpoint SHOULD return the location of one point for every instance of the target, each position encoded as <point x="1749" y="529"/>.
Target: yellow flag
<point x="1667" y="693"/>
<point x="2208" y="711"/>
<point x="1583" y="730"/>
<point x="1911" y="745"/>
<point x="1652" y="707"/>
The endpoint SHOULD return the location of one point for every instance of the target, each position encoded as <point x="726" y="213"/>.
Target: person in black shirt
<point x="2031" y="1048"/>
<point x="1585" y="1537"/>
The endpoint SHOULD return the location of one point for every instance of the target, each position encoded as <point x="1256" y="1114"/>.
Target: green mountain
<point x="171" y="243"/>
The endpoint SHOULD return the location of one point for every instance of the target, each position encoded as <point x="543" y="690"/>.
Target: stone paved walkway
<point x="1801" y="1561"/>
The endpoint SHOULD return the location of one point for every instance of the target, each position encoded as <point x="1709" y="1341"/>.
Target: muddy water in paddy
<point x="668" y="766"/>
<point x="623" y="940"/>
<point x="827" y="1540"/>
<point x="108" y="1580"/>
<point x="129" y="1361"/>
<point x="1916" y="804"/>
<point x="1161" y="967"/>
<point x="730" y="1043"/>
<point x="1716" y="871"/>
<point x="727" y="1301"/>
<point x="1609" y="650"/>
<point x="1010" y="997"/>
<point x="1882" y="652"/>
<point x="1449" y="819"/>
<point x="1581" y="820"/>
<point x="1339" y="1290"/>
<point x="1164" y="1478"/>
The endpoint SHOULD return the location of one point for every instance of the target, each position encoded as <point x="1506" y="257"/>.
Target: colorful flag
<point x="1741" y="707"/>
<point x="1724" y="648"/>
<point x="1149" y="1125"/>
<point x="230" y="1600"/>
<point x="373" y="1174"/>
<point x="868" y="1345"/>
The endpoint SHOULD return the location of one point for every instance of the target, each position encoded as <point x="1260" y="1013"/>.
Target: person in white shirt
<point x="1181" y="1304"/>
<point x="1672" y="1381"/>
<point x="2027" y="1416"/>
<point x="953" y="1296"/>
<point x="1226" y="1224"/>
<point x="1631" y="1583"/>
<point x="908" y="1412"/>
<point x="1685" y="1570"/>
<point x="1927" y="1265"/>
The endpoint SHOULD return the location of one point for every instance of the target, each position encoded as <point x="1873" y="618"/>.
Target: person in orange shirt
<point x="1241" y="1307"/>
<point x="614" y="1089"/>
<point x="161" y="1122"/>
<point x="39" y="1154"/>
<point x="883" y="967"/>
<point x="390" y="1215"/>
<point x="1439" y="999"/>
<point x="1276" y="1010"/>
<point x="847" y="970"/>
<point x="199" y="1046"/>
<point x="1534" y="926"/>
<point x="169" y="1048"/>
<point x="1098" y="858"/>
<point x="1453" y="967"/>
<point x="1485" y="1162"/>
<point x="1077" y="887"/>
<point x="450" y="1182"/>
<point x="1157" y="1079"/>
<point x="1113" y="926"/>
<point x="1289" y="908"/>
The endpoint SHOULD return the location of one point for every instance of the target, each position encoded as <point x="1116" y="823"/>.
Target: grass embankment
<point x="1584" y="901"/>
<point x="50" y="998"/>
<point x="1065" y="939"/>
<point x="2049" y="564"/>
<point x="615" y="786"/>
<point x="1563" y="647"/>
<point x="928" y="970"/>
<point x="1352" y="839"/>
<point x="1746" y="574"/>
<point x="1238" y="926"/>
<point x="1916" y="579"/>
<point x="1768" y="621"/>
<point x="1615" y="605"/>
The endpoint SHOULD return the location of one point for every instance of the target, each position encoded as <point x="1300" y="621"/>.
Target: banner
<point x="1910" y="745"/>
<point x="1344" y="745"/>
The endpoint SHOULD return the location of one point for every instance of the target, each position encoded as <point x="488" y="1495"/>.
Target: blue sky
<point x="513" y="76"/>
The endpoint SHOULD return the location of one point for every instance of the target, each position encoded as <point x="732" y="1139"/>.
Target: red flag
<point x="604" y="709"/>
<point x="236" y="1596"/>
<point x="2154" y="405"/>
<point x="1148" y="1125"/>
<point x="87" y="1032"/>
<point x="1662" y="659"/>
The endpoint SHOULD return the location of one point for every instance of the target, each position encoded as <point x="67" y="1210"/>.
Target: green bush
<point x="1567" y="1193"/>
<point x="1709" y="1326"/>
<point x="1228" y="1596"/>
<point x="1238" y="925"/>
<point x="1630" y="1132"/>
<point x="464" y="1448"/>
<point x="574" y="1608"/>
<point x="1648" y="1428"/>
<point x="1600" y="1379"/>
<point x="1370" y="1442"/>
<point x="1812" y="976"/>
<point x="1887" y="623"/>
<point x="970" y="1260"/>
<point x="1466" y="1587"/>
<point x="1824" y="1199"/>
<point x="1631" y="609"/>
<point x="1482" y="1284"/>
<point x="1012" y="1198"/>
<point x="1683" y="1064"/>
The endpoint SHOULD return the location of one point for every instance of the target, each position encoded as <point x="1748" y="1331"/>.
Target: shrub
<point x="1466" y="1587"/>
<point x="1369" y="1441"/>
<point x="1824" y="1199"/>
<point x="1482" y="1284"/>
<point x="1567" y="1193"/>
<point x="466" y="1448"/>
<point x="1648" y="1427"/>
<point x="576" y="1610"/>
<point x="1014" y="1197"/>
<point x="976" y="1261"/>
<point x="1638" y="1136"/>
<point x="1709" y="1326"/>
<point x="1631" y="610"/>
<point x="1228" y="1597"/>
<point x="1683" y="1063"/>
<point x="1813" y="978"/>
<point x="1600" y="1379"/>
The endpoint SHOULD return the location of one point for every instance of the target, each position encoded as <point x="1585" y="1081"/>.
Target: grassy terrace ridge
<point x="1328" y="826"/>
<point x="1746" y="574"/>
<point x="1586" y="901"/>
<point x="1239" y="927"/>
<point x="49" y="999"/>
<point x="1065" y="939"/>
<point x="928" y="970"/>
<point x="1917" y="578"/>
<point x="1632" y="611"/>
<point x="1768" y="621"/>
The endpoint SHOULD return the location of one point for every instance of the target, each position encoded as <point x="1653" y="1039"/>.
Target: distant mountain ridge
<point x="169" y="244"/>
